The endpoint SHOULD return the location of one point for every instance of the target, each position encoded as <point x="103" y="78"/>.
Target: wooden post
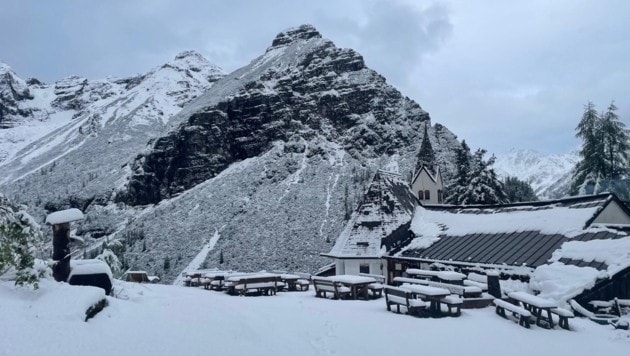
<point x="60" y="222"/>
<point x="61" y="251"/>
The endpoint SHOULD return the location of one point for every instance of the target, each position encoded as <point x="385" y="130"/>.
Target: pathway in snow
<point x="198" y="260"/>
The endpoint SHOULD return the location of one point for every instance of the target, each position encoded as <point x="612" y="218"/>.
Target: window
<point x="364" y="268"/>
<point x="427" y="195"/>
<point x="439" y="195"/>
<point x="421" y="195"/>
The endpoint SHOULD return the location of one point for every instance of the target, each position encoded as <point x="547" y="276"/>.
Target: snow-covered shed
<point x="562" y="247"/>
<point x="379" y="223"/>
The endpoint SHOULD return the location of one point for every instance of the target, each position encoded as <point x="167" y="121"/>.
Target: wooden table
<point x="431" y="294"/>
<point x="536" y="305"/>
<point x="358" y="284"/>
<point x="290" y="280"/>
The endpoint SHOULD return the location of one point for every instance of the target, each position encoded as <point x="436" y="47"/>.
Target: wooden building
<point x="539" y="242"/>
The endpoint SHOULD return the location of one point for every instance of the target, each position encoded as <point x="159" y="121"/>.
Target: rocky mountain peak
<point x="303" y="32"/>
<point x="194" y="62"/>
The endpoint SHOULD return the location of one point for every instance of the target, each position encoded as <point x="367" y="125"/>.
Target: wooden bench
<point x="217" y="283"/>
<point x="563" y="317"/>
<point x="323" y="286"/>
<point x="402" y="297"/>
<point x="302" y="284"/>
<point x="453" y="302"/>
<point x="376" y="289"/>
<point x="265" y="285"/>
<point x="522" y="314"/>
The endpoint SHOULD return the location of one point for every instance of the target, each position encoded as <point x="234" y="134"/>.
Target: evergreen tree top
<point x="426" y="156"/>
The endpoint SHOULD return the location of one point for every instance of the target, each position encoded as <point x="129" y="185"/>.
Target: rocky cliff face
<point x="13" y="90"/>
<point x="304" y="87"/>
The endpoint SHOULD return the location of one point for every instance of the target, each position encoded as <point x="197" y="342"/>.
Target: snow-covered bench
<point x="403" y="297"/>
<point x="522" y="313"/>
<point x="323" y="286"/>
<point x="563" y="317"/>
<point x="265" y="285"/>
<point x="453" y="302"/>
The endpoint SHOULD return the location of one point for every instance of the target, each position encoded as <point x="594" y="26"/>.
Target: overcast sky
<point x="500" y="74"/>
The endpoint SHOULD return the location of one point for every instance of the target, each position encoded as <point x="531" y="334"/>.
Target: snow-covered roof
<point x="548" y="240"/>
<point x="64" y="216"/>
<point x="387" y="205"/>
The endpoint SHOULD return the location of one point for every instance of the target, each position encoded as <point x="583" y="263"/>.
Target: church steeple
<point x="426" y="156"/>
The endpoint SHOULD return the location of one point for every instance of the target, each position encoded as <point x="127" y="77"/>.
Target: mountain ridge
<point x="266" y="162"/>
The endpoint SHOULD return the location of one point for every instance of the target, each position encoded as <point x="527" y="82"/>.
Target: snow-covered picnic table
<point x="536" y="305"/>
<point x="430" y="294"/>
<point x="358" y="285"/>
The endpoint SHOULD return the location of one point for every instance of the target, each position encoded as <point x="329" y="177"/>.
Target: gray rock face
<point x="13" y="90"/>
<point x="313" y="88"/>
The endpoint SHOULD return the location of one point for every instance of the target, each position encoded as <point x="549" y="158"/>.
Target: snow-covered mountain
<point x="259" y="168"/>
<point x="548" y="174"/>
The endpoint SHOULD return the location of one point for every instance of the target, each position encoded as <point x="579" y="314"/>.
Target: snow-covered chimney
<point x="60" y="221"/>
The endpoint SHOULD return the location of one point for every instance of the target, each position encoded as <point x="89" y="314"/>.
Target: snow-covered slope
<point x="81" y="133"/>
<point x="148" y="319"/>
<point x="548" y="175"/>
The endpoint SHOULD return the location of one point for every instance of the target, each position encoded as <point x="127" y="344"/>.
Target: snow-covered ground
<point x="171" y="320"/>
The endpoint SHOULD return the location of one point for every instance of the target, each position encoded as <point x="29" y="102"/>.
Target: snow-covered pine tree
<point x="19" y="238"/>
<point x="616" y="142"/>
<point x="604" y="154"/>
<point x="517" y="190"/>
<point x="484" y="187"/>
<point x="462" y="178"/>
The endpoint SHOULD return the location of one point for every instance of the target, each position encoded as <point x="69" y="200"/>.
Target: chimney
<point x="60" y="221"/>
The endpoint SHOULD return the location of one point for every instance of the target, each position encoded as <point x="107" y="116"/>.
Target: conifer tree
<point x="604" y="154"/>
<point x="475" y="182"/>
<point x="426" y="156"/>
<point x="19" y="238"/>
<point x="462" y="163"/>
<point x="517" y="190"/>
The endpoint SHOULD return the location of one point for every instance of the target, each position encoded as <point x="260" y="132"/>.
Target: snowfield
<point x="150" y="319"/>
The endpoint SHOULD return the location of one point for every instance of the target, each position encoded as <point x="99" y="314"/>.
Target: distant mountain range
<point x="548" y="174"/>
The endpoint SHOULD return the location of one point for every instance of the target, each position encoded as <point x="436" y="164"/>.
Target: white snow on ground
<point x="168" y="320"/>
<point x="201" y="256"/>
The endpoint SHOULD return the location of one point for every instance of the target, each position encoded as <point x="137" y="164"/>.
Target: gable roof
<point x="387" y="205"/>
<point x="432" y="176"/>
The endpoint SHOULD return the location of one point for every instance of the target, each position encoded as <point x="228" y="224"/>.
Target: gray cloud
<point x="500" y="74"/>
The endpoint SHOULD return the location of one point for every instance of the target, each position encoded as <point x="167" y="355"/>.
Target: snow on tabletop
<point x="421" y="272"/>
<point x="533" y="300"/>
<point x="427" y="290"/>
<point x="64" y="216"/>
<point x="561" y="282"/>
<point x="81" y="267"/>
<point x="348" y="278"/>
<point x="566" y="221"/>
<point x="451" y="276"/>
